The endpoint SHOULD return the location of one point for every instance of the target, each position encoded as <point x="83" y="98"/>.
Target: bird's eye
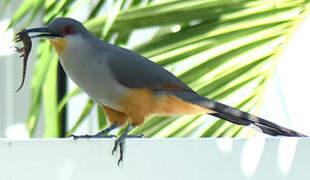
<point x="68" y="30"/>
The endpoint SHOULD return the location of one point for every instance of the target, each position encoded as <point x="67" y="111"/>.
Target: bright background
<point x="284" y="103"/>
<point x="287" y="97"/>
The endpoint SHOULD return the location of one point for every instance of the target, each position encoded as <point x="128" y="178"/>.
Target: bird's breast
<point x="60" y="44"/>
<point x="89" y="70"/>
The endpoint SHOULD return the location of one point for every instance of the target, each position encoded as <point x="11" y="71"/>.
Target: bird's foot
<point x="121" y="143"/>
<point x="101" y="134"/>
<point x="135" y="136"/>
<point x="87" y="136"/>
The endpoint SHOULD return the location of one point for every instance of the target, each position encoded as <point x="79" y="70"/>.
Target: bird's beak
<point x="43" y="30"/>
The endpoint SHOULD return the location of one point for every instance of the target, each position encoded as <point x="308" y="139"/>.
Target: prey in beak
<point x="24" y="37"/>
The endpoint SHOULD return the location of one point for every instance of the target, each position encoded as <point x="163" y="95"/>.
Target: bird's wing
<point x="132" y="70"/>
<point x="135" y="71"/>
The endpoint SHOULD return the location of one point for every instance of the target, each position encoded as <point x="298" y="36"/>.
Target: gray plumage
<point x="111" y="63"/>
<point x="137" y="71"/>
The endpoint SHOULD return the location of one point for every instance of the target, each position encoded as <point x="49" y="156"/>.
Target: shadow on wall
<point x="260" y="157"/>
<point x="206" y="158"/>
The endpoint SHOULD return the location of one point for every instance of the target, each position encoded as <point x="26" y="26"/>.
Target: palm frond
<point x="225" y="50"/>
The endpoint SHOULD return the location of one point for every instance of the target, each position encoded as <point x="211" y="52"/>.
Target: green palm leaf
<point x="225" y="50"/>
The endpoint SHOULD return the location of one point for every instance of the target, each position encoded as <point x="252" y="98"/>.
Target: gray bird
<point x="129" y="86"/>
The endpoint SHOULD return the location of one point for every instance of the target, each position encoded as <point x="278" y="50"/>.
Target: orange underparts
<point x="141" y="103"/>
<point x="60" y="44"/>
<point x="115" y="116"/>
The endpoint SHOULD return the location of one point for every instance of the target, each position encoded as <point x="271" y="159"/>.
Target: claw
<point x="87" y="136"/>
<point x="121" y="150"/>
<point x="115" y="146"/>
<point x="80" y="137"/>
<point x="73" y="136"/>
<point x="101" y="134"/>
<point x="121" y="142"/>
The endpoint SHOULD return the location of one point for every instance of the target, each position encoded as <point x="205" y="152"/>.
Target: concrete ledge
<point x="207" y="158"/>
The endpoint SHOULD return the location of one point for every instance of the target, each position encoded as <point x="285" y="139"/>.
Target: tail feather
<point x="234" y="115"/>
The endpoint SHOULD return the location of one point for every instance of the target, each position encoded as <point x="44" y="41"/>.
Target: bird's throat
<point x="60" y="44"/>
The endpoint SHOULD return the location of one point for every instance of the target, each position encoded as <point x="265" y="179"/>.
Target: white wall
<point x="158" y="159"/>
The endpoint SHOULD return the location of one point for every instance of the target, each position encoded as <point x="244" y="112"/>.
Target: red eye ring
<point x="68" y="30"/>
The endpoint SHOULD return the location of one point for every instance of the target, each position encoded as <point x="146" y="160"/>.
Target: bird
<point x="130" y="87"/>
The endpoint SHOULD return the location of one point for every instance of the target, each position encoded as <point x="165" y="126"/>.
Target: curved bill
<point x="43" y="30"/>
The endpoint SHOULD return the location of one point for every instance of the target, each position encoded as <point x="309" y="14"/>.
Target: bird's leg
<point x="99" y="134"/>
<point x="121" y="142"/>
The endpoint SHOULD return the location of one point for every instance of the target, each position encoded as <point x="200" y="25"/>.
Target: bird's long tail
<point x="234" y="115"/>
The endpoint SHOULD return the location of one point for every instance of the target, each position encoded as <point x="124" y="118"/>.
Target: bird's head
<point x="59" y="32"/>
